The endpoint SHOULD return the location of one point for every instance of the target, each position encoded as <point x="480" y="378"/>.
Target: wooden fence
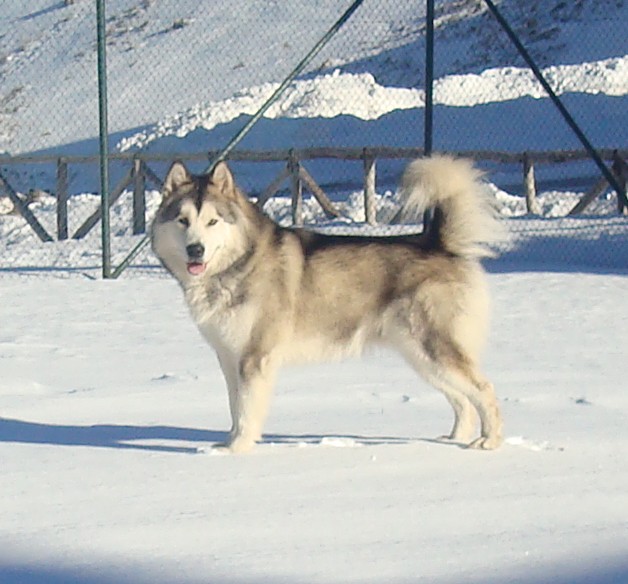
<point x="139" y="174"/>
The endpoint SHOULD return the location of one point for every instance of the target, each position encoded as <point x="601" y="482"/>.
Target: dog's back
<point x="354" y="287"/>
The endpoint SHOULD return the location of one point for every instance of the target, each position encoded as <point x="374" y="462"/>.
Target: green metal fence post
<point x="429" y="78"/>
<point x="286" y="82"/>
<point x="103" y="137"/>
<point x="428" y="130"/>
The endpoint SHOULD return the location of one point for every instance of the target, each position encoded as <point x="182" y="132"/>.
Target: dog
<point x="264" y="295"/>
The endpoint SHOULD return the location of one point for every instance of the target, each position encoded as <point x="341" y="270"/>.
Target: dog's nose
<point x="195" y="251"/>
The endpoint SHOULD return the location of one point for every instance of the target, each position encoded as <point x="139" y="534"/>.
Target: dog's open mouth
<point x="196" y="268"/>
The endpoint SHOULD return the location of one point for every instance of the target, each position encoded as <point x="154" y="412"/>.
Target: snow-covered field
<point x="110" y="401"/>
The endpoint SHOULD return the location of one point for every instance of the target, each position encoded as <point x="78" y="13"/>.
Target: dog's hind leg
<point x="470" y="388"/>
<point x="482" y="395"/>
<point x="465" y="417"/>
<point x="456" y="367"/>
<point x="451" y="371"/>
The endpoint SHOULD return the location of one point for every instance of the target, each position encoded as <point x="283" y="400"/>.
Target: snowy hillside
<point x="204" y="56"/>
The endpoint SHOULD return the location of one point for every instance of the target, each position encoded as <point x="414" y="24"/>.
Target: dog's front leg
<point x="229" y="365"/>
<point x="250" y="405"/>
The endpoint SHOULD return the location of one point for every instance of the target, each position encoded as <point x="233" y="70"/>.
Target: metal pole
<point x="429" y="78"/>
<point x="608" y="175"/>
<point x="429" y="94"/>
<point x="103" y="135"/>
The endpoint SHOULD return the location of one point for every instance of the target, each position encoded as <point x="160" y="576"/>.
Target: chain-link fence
<point x="185" y="77"/>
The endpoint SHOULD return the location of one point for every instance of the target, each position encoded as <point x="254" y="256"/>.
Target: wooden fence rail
<point x="294" y="171"/>
<point x="536" y="156"/>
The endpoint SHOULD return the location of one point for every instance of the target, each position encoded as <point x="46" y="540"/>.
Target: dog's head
<point x="197" y="221"/>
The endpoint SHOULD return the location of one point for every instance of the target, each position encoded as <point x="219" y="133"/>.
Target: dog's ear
<point x="177" y="176"/>
<point x="223" y="179"/>
<point x="231" y="199"/>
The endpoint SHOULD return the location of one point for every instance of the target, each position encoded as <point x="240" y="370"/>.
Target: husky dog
<point x="264" y="295"/>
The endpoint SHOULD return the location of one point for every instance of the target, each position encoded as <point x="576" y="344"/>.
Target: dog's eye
<point x="212" y="222"/>
<point x="184" y="221"/>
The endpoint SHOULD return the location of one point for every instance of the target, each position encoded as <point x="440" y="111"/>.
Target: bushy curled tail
<point x="465" y="221"/>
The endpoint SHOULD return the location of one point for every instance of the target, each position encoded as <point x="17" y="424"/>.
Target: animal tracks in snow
<point x="534" y="445"/>
<point x="169" y="377"/>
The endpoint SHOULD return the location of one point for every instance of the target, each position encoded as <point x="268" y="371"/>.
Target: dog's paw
<point x="239" y="445"/>
<point x="455" y="437"/>
<point x="486" y="443"/>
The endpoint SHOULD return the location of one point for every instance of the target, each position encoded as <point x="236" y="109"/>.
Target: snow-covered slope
<point x="360" y="96"/>
<point x="167" y="57"/>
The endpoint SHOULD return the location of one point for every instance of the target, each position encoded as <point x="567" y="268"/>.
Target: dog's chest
<point x="221" y="314"/>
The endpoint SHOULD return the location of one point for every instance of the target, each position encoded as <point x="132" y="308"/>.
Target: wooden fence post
<point x="593" y="193"/>
<point x="620" y="169"/>
<point x="619" y="156"/>
<point x="529" y="182"/>
<point x="370" y="208"/>
<point x="62" y="199"/>
<point x="297" y="190"/>
<point x="139" y="197"/>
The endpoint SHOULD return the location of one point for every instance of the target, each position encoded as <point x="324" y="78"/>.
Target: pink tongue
<point x="195" y="268"/>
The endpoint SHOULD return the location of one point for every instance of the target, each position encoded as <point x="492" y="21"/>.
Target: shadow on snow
<point x="131" y="437"/>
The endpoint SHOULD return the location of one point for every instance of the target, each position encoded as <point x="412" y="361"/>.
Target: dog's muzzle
<point x="195" y="252"/>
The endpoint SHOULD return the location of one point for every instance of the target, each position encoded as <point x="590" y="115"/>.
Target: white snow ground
<point x="111" y="402"/>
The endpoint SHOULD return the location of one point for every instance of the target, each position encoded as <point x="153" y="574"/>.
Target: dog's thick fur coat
<point x="264" y="295"/>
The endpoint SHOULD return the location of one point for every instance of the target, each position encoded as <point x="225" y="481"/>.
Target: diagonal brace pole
<point x="608" y="175"/>
<point x="24" y="211"/>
